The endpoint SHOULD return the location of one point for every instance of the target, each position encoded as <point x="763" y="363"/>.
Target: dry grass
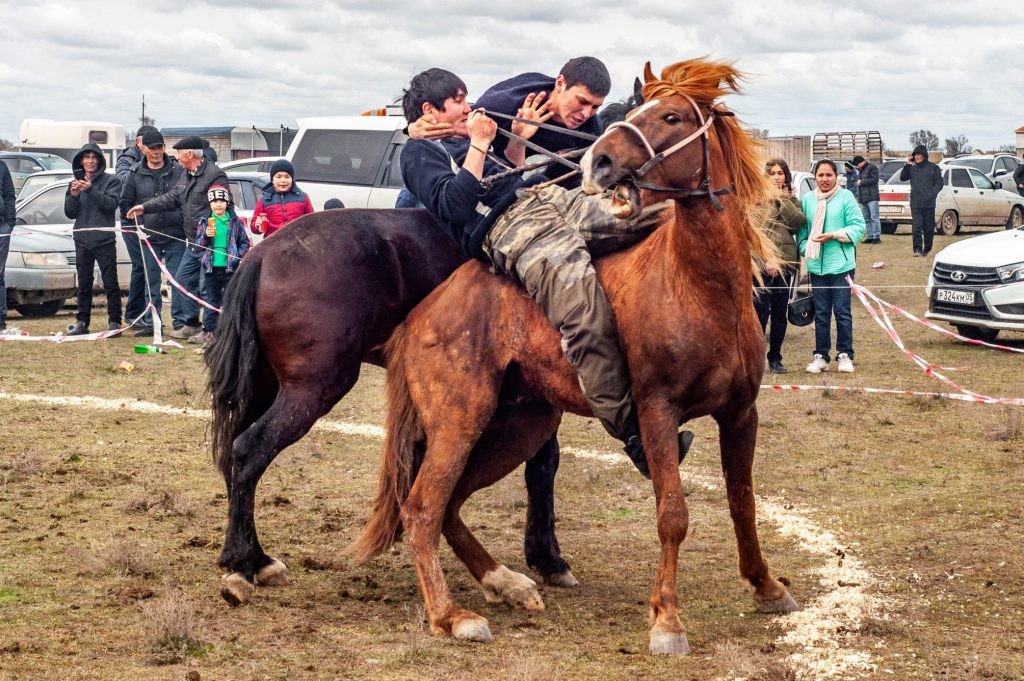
<point x="111" y="523"/>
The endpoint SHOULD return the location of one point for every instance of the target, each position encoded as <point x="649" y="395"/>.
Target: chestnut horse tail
<point x="400" y="459"/>
<point x="233" y="360"/>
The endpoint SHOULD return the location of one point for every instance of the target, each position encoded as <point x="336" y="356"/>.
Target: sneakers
<point x="843" y="363"/>
<point x="634" y="449"/>
<point x="777" y="367"/>
<point x="818" y="364"/>
<point x="201" y="338"/>
<point x="77" y="329"/>
<point x="186" y="331"/>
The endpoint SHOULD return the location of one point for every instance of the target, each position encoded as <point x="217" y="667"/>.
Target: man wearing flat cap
<point x="190" y="198"/>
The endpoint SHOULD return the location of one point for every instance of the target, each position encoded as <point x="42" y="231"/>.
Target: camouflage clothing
<point x="541" y="241"/>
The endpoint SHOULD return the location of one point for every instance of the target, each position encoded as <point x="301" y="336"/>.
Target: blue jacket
<point x="453" y="196"/>
<point x="238" y="242"/>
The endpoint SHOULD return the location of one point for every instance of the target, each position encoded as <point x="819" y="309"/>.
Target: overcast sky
<point x="956" y="68"/>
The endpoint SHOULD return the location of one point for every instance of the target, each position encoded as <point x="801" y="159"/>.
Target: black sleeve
<point x="905" y="172"/>
<point x="8" y="194"/>
<point x="449" y="196"/>
<point x="869" y="177"/>
<point x="127" y="199"/>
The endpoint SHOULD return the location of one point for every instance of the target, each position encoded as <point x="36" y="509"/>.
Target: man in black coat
<point x="190" y="198"/>
<point x="925" y="185"/>
<point x="156" y="174"/>
<point x="91" y="201"/>
<point x="129" y="157"/>
<point x="1018" y="176"/>
<point x="866" y="191"/>
<point x="7" y="215"/>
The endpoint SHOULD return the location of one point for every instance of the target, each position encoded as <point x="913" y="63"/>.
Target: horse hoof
<point x="518" y="590"/>
<point x="566" y="580"/>
<point x="781" y="605"/>
<point x="472" y="629"/>
<point x="273" y="574"/>
<point x="669" y="643"/>
<point x="236" y="589"/>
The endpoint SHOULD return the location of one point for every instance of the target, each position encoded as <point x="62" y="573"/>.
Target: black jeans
<point x="214" y="283"/>
<point x="771" y="303"/>
<point x="923" y="218"/>
<point x="86" y="258"/>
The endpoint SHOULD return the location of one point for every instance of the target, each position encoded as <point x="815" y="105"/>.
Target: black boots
<point x="635" y="451"/>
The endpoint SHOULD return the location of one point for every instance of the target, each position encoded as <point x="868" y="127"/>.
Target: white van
<point x="65" y="138"/>
<point x="352" y="158"/>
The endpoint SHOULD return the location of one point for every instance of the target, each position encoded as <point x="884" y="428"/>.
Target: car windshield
<point x="54" y="162"/>
<point x="982" y="164"/>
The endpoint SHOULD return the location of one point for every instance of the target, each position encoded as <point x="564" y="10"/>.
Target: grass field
<point x="896" y="520"/>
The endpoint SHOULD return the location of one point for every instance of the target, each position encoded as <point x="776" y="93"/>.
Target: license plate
<point x="890" y="209"/>
<point x="944" y="295"/>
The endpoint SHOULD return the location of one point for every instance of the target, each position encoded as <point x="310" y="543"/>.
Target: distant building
<point x="1020" y="140"/>
<point x="235" y="142"/>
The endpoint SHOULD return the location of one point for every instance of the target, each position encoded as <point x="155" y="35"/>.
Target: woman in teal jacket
<point x="828" y="243"/>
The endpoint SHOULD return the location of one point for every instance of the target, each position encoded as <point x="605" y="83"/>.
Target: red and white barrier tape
<point x="174" y="282"/>
<point x="963" y="397"/>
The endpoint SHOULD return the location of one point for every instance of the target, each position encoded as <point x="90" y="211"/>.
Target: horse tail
<point x="399" y="461"/>
<point x="232" y="361"/>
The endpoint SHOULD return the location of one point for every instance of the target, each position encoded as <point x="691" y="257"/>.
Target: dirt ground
<point x="112" y="517"/>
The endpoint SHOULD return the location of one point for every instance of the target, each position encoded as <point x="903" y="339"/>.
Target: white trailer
<point x="65" y="138"/>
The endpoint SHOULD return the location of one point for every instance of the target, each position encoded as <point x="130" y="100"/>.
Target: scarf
<point x="813" y="250"/>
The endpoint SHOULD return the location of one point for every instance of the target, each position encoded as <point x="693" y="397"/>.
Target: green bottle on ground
<point x="148" y="350"/>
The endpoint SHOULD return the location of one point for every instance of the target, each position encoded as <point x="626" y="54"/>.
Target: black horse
<point x="302" y="312"/>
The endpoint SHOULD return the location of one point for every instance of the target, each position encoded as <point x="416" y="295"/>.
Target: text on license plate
<point x="890" y="209"/>
<point x="961" y="297"/>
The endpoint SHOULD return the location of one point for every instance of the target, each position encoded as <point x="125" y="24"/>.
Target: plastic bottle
<point x="148" y="350"/>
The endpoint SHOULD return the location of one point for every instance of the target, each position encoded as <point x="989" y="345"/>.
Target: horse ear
<point x="648" y="73"/>
<point x="638" y="92"/>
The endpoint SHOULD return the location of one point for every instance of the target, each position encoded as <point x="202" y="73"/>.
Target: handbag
<point x="800" y="309"/>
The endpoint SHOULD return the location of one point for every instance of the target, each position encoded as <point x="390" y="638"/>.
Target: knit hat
<point x="282" y="166"/>
<point x="218" y="193"/>
<point x="857" y="160"/>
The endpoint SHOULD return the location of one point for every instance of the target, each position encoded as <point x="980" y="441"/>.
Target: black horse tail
<point x="232" y="361"/>
<point x="399" y="461"/>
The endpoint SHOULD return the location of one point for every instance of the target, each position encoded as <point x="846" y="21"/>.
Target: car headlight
<point x="45" y="260"/>
<point x="1011" y="273"/>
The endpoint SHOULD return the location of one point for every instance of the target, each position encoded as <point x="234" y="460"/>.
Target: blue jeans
<point x="189" y="275"/>
<point x="871" y="220"/>
<point x="170" y="253"/>
<point x="832" y="295"/>
<point x="5" y="246"/>
<point x="136" y="301"/>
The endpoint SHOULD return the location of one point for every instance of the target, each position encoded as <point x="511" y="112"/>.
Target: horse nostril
<point x="602" y="162"/>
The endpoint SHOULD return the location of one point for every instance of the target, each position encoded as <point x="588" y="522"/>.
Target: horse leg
<point x="512" y="436"/>
<point x="294" y="411"/>
<point x="539" y="541"/>
<point x="737" y="436"/>
<point x="658" y="430"/>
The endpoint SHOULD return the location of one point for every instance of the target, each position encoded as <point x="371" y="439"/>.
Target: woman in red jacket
<point x="281" y="201"/>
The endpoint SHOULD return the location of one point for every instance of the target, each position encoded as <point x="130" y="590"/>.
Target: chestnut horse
<point x="477" y="362"/>
<point x="304" y="309"/>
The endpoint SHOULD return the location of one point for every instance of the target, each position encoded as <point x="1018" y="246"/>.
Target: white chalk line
<point x="815" y="631"/>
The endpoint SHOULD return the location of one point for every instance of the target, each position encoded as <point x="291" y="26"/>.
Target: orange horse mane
<point x="704" y="81"/>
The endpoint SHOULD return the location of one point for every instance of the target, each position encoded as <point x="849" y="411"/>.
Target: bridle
<point x="656" y="157"/>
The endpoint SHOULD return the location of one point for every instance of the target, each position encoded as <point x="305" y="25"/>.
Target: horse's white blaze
<point x="502" y="585"/>
<point x="814" y="630"/>
<point x="640" y="109"/>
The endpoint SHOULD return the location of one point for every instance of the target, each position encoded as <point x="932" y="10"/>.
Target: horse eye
<point x="671" y="119"/>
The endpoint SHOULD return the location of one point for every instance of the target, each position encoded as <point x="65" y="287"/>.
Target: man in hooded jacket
<point x="91" y="201"/>
<point x="925" y="185"/>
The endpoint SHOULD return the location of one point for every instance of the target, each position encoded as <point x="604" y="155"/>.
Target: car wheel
<point x="1016" y="218"/>
<point x="949" y="224"/>
<point x="977" y="333"/>
<point x="888" y="228"/>
<point x="47" y="309"/>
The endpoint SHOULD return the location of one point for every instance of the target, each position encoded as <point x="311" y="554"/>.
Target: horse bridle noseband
<point x="704" y="188"/>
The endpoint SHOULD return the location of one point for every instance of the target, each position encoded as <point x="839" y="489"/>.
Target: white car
<point x="968" y="198"/>
<point x="977" y="285"/>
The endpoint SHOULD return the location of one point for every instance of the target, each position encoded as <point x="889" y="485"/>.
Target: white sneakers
<point x="843" y="364"/>
<point x="817" y="365"/>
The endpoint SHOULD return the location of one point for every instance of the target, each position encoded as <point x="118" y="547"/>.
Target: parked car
<point x="22" y="164"/>
<point x="352" y="158"/>
<point x="977" y="285"/>
<point x="250" y="165"/>
<point x="35" y="181"/>
<point x="43" y="211"/>
<point x="996" y="167"/>
<point x="803" y="182"/>
<point x="968" y="198"/>
<point x="40" y="273"/>
<point x="888" y="168"/>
